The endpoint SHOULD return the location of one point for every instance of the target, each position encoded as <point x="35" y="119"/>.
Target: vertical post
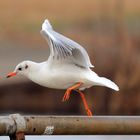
<point x="17" y="136"/>
<point x="20" y="127"/>
<point x="12" y="137"/>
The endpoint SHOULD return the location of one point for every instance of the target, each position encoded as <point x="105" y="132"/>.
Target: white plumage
<point x="67" y="64"/>
<point x="63" y="48"/>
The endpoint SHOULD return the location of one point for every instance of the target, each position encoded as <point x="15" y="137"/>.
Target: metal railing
<point x="17" y="126"/>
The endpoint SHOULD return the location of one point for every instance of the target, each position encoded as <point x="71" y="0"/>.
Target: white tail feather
<point x="107" y="83"/>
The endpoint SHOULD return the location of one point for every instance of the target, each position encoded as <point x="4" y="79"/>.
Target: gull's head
<point x="22" y="68"/>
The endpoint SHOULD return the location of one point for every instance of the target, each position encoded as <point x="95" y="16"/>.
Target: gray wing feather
<point x="62" y="48"/>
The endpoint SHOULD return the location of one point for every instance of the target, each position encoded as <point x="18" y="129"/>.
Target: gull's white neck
<point x="37" y="72"/>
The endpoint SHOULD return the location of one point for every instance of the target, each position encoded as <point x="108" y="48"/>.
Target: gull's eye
<point x="20" y="69"/>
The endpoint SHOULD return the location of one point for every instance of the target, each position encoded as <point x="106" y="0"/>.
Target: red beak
<point x="11" y="74"/>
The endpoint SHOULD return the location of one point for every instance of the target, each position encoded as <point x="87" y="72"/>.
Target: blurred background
<point x="108" y="29"/>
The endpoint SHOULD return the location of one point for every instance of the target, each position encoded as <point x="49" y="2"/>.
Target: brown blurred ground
<point x="109" y="30"/>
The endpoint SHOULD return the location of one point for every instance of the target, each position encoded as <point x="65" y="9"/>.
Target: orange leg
<point x="67" y="96"/>
<point x="68" y="92"/>
<point x="89" y="113"/>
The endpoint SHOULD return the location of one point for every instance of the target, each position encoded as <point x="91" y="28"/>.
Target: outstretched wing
<point x="64" y="49"/>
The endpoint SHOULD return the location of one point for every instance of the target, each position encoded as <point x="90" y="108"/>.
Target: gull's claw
<point x="89" y="113"/>
<point x="66" y="95"/>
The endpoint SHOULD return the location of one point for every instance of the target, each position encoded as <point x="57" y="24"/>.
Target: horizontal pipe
<point x="71" y="125"/>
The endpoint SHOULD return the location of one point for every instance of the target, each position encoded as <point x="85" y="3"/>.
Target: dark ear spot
<point x="26" y="66"/>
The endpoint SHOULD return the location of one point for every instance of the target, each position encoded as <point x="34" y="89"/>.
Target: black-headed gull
<point x="68" y="67"/>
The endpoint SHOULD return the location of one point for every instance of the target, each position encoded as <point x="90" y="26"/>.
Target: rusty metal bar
<point x="17" y="125"/>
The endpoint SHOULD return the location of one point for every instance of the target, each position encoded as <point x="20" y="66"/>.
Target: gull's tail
<point x="102" y="81"/>
<point x="108" y="83"/>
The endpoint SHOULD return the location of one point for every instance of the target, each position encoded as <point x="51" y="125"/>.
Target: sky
<point x="131" y="137"/>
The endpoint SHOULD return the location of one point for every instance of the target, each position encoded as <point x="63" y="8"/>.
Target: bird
<point x="67" y="67"/>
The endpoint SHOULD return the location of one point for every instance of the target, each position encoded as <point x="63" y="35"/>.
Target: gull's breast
<point x="61" y="77"/>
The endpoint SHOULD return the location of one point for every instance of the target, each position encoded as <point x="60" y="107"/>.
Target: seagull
<point x="67" y="67"/>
